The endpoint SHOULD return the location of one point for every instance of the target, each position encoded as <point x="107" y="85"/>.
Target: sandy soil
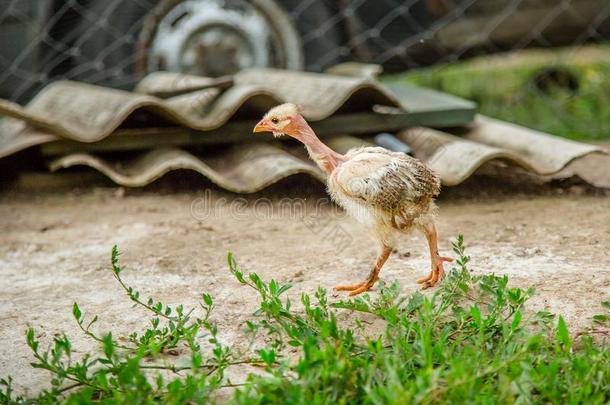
<point x="55" y="249"/>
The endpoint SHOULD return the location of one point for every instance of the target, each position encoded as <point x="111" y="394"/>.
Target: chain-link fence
<point x="116" y="42"/>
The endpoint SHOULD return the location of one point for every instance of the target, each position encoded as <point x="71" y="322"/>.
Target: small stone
<point x="577" y="190"/>
<point x="119" y="192"/>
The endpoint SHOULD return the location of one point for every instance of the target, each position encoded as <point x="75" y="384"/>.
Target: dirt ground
<point x="174" y="236"/>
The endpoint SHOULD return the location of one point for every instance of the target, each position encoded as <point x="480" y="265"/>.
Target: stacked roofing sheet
<point x="74" y="123"/>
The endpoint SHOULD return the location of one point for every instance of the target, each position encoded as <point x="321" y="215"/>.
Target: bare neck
<point x="326" y="158"/>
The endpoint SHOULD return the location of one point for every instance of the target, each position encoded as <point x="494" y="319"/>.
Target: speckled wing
<point x="385" y="180"/>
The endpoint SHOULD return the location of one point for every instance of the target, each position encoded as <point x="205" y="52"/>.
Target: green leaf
<point x="196" y="360"/>
<point x="601" y="319"/>
<point x="475" y="312"/>
<point x="284" y="288"/>
<point x="257" y="281"/>
<point x="31" y="340"/>
<point x="114" y="260"/>
<point x="273" y="287"/>
<point x="516" y="320"/>
<point x="76" y="312"/>
<point x="94" y="320"/>
<point x="268" y="356"/>
<point x="108" y="345"/>
<point x="562" y="333"/>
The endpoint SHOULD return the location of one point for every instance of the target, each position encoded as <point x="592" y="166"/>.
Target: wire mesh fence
<point x="116" y="42"/>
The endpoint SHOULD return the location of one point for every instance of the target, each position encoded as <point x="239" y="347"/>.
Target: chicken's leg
<point x="356" y="289"/>
<point x="437" y="273"/>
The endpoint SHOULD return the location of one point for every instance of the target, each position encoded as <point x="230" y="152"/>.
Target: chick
<point x="388" y="192"/>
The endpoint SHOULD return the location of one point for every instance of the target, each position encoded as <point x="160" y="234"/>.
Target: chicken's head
<point x="285" y="119"/>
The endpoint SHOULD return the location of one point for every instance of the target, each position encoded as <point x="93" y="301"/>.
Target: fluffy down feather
<point x="387" y="191"/>
<point x="384" y="189"/>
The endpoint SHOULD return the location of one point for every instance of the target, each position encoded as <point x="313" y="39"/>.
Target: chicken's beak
<point x="262" y="126"/>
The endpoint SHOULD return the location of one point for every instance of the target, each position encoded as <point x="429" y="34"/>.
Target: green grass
<point x="472" y="341"/>
<point x="507" y="91"/>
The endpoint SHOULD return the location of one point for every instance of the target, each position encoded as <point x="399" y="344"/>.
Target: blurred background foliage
<point x="566" y="93"/>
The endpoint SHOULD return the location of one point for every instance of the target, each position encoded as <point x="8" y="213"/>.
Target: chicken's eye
<point x="275" y="120"/>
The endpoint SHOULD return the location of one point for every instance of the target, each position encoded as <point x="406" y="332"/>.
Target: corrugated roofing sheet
<point x="249" y="167"/>
<point x="84" y="116"/>
<point x="88" y="113"/>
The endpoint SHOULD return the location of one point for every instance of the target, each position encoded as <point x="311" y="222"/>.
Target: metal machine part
<point x="219" y="37"/>
<point x="390" y="142"/>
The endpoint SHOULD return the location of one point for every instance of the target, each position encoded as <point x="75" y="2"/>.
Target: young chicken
<point x="388" y="192"/>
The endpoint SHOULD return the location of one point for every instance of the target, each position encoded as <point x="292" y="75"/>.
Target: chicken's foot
<point x="372" y="278"/>
<point x="437" y="272"/>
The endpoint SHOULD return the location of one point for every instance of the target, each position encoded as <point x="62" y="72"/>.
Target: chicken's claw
<point x="436" y="274"/>
<point x="348" y="287"/>
<point x="372" y="278"/>
<point x="359" y="288"/>
<point x="355" y="289"/>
